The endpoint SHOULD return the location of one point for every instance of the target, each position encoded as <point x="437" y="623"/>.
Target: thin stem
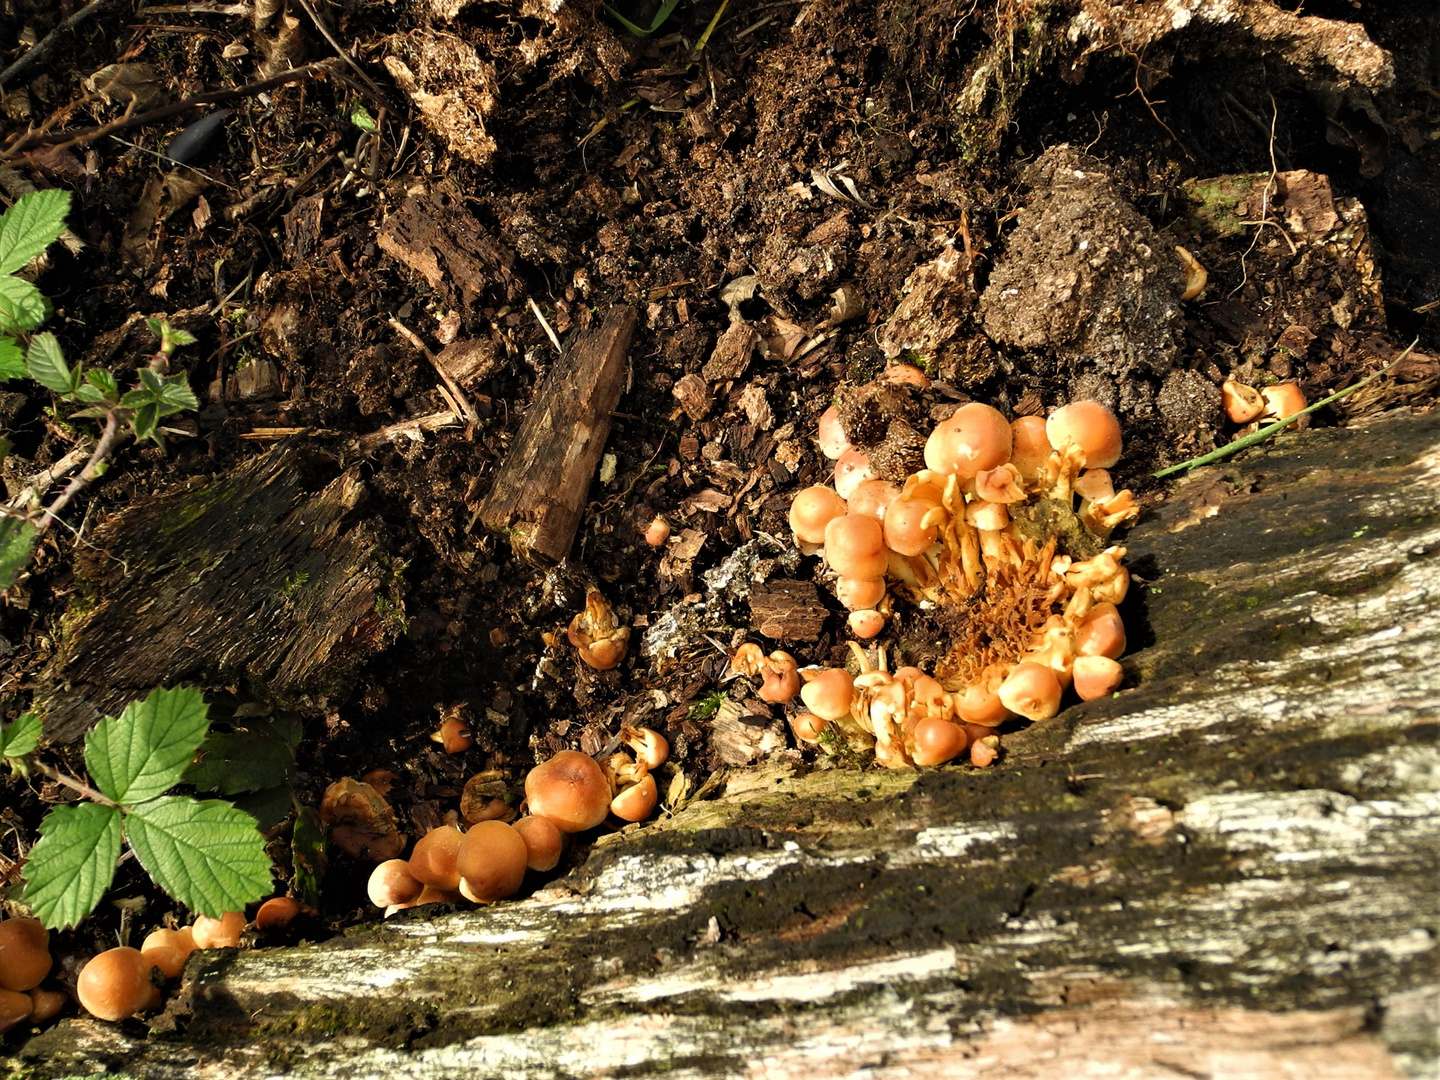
<point x="78" y="786"/>
<point x="1257" y="437"/>
<point x="110" y="439"/>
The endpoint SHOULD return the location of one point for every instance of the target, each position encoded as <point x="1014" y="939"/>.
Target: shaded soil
<point x="810" y="148"/>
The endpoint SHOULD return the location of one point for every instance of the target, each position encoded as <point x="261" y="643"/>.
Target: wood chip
<point x="694" y="396"/>
<point x="788" y="610"/>
<point x="732" y="353"/>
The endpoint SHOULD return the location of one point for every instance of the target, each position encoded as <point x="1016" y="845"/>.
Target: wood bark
<point x="1231" y="868"/>
<point x="269" y="577"/>
<point x="539" y="492"/>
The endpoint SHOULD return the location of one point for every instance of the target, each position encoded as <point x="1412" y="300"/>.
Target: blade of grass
<point x="1257" y="437"/>
<point x="659" y="20"/>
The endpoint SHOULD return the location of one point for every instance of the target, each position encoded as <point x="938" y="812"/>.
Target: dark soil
<point x="809" y="148"/>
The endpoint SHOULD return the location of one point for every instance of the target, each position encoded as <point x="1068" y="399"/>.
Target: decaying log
<point x="1230" y="869"/>
<point x="256" y="579"/>
<point x="539" y="491"/>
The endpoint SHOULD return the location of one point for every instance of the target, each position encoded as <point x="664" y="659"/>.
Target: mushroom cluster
<point x="1246" y="405"/>
<point x="1002" y="535"/>
<point x="569" y="793"/>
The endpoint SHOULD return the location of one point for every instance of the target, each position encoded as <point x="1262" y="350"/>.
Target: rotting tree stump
<point x="269" y="577"/>
<point x="1231" y="869"/>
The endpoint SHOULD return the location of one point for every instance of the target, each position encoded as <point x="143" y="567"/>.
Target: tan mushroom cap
<point x="571" y="790"/>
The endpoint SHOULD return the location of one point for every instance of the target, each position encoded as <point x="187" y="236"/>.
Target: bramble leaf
<point x="46" y="364"/>
<point x="143" y="753"/>
<point x="21" y="736"/>
<point x="234" y="761"/>
<point x="12" y="360"/>
<point x="145" y="420"/>
<point x="176" y="395"/>
<point x="207" y="855"/>
<point x="23" y="307"/>
<point x="17" y="544"/>
<point x="103" y="381"/>
<point x="70" y="868"/>
<point x="30" y="226"/>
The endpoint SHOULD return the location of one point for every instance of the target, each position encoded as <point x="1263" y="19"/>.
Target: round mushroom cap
<point x="492" y="861"/>
<point x="433" y="860"/>
<point x="24" y="954"/>
<point x="392" y="883"/>
<point x="571" y="790"/>
<point x="543" y="842"/>
<point x="221" y="933"/>
<point x="975" y="437"/>
<point x="115" y="984"/>
<point x="1090" y="426"/>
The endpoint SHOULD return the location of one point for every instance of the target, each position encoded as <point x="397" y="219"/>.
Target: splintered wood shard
<point x="539" y="492"/>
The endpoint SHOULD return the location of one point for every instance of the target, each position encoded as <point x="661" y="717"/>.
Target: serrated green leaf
<point x="134" y="399"/>
<point x="69" y="870"/>
<point x="23" y="307"/>
<point x="30" y="226"/>
<point x="176" y="394"/>
<point x="207" y="855"/>
<point x="88" y="392"/>
<point x="145" y="421"/>
<point x="20" y="736"/>
<point x="17" y="545"/>
<point x="268" y="807"/>
<point x="234" y="761"/>
<point x="46" y="364"/>
<point x="12" y="360"/>
<point x="180" y="337"/>
<point x="143" y="752"/>
<point x="95" y="412"/>
<point x="103" y="381"/>
<point x="152" y="380"/>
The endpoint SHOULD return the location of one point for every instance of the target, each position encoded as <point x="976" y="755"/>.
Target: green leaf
<point x="89" y="392"/>
<point x="134" y="399"/>
<point x="177" y="395"/>
<point x="30" y="226"/>
<point x="17" y="545"/>
<point x="207" y="855"/>
<point x="307" y="854"/>
<point x="268" y="807"/>
<point x="12" y="360"/>
<point x="236" y="761"/>
<point x="21" y="736"/>
<point x="361" y="118"/>
<point x="70" y="868"/>
<point x="180" y="337"/>
<point x="152" y="380"/>
<point x="23" y="307"/>
<point x="103" y="381"/>
<point x="145" y="420"/>
<point x="46" y="364"/>
<point x="143" y="753"/>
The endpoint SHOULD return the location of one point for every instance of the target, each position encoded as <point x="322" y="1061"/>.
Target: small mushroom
<point x="544" y="842"/>
<point x="168" y="949"/>
<point x="597" y="634"/>
<point x="433" y="860"/>
<point x="975" y="437"/>
<point x="221" y="933"/>
<point x="657" y="533"/>
<point x="1090" y="426"/>
<point x="391" y="883"/>
<point x="115" y="984"/>
<point x="1242" y="403"/>
<point x="638" y="801"/>
<point x="650" y="746"/>
<point x="24" y="953"/>
<point x="571" y="790"/>
<point x="491" y="861"/>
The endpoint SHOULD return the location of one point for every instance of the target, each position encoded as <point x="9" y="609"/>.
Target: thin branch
<point x="45" y="479"/>
<point x="46" y="45"/>
<point x="1257" y="437"/>
<point x="78" y="786"/>
<point x="110" y="440"/>
<point x="464" y="407"/>
<point x="74" y="136"/>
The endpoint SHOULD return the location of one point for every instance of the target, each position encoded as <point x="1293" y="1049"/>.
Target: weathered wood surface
<point x="539" y="492"/>
<point x="1232" y="869"/>
<point x="270" y="578"/>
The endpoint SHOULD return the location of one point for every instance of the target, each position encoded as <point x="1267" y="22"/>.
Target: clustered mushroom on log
<point x="981" y="529"/>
